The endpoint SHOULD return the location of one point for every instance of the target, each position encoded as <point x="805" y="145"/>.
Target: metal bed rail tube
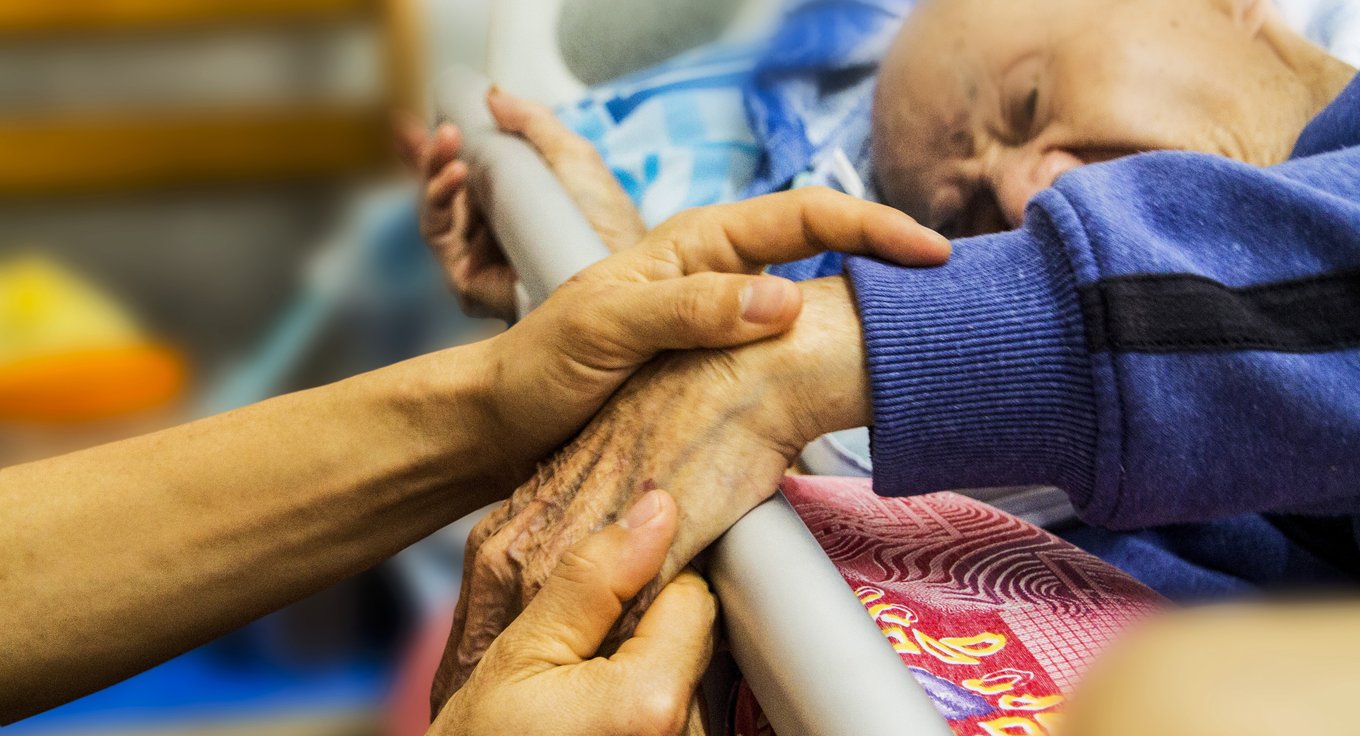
<point x="815" y="661"/>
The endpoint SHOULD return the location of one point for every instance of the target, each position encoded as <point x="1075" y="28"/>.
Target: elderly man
<point x="1169" y="336"/>
<point x="1172" y="335"/>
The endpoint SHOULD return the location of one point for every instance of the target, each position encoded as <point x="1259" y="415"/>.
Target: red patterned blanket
<point x="996" y="618"/>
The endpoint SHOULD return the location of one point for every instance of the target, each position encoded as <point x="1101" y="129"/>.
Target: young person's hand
<point x="452" y="224"/>
<point x="1260" y="669"/>
<point x="542" y="676"/>
<point x="692" y="283"/>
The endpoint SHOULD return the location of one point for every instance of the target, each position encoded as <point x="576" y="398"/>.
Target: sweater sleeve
<point x="1171" y="337"/>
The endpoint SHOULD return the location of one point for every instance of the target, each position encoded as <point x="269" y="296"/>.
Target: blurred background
<point x="199" y="209"/>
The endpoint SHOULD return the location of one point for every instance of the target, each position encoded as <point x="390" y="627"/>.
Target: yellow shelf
<point x="168" y="149"/>
<point x="48" y="16"/>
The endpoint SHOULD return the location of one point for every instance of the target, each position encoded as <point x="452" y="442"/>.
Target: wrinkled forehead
<point x="954" y="42"/>
<point x="958" y="43"/>
<point x="943" y="66"/>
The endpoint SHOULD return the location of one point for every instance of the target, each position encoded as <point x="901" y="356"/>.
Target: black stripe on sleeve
<point x="1166" y="313"/>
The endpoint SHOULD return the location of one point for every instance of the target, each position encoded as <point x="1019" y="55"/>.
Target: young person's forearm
<point x="121" y="556"/>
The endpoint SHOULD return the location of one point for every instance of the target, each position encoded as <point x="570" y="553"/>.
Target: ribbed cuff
<point x="979" y="368"/>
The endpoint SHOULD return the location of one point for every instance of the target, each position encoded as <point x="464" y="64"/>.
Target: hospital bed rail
<point x="814" y="659"/>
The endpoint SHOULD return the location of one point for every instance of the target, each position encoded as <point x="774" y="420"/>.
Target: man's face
<point x="983" y="103"/>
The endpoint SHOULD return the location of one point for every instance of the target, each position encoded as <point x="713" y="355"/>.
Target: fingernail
<point x="942" y="241"/>
<point x="765" y="299"/>
<point x="643" y="511"/>
<point x="912" y="230"/>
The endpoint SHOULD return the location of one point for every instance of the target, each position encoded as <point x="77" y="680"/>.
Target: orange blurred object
<point x="91" y="384"/>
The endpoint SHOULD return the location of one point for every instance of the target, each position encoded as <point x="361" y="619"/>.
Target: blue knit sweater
<point x="1173" y="338"/>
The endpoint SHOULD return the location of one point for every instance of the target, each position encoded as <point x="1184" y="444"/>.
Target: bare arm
<point x="114" y="559"/>
<point x="125" y="555"/>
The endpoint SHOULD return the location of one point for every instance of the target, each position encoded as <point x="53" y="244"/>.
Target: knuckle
<point x="589" y="293"/>
<point x="690" y="592"/>
<point x="577" y="567"/>
<point x="818" y="196"/>
<point x="482" y="530"/>
<point x="579" y="280"/>
<point x="664" y="711"/>
<point x="707" y="612"/>
<point x="702" y="601"/>
<point x="695" y="309"/>
<point x="662" y="257"/>
<point x="493" y="558"/>
<point x="686" y="220"/>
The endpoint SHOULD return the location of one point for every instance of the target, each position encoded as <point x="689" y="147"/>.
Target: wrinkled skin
<point x="981" y="104"/>
<point x="545" y="674"/>
<point x="717" y="429"/>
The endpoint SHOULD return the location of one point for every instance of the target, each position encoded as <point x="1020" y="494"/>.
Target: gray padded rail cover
<point x="816" y="662"/>
<point x="541" y="230"/>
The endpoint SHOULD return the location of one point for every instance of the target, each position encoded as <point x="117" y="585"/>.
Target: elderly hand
<point x="692" y="283"/>
<point x="719" y="426"/>
<point x="542" y="676"/>
<point x="452" y="224"/>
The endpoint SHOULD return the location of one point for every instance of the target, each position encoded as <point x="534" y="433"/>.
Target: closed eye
<point x="1028" y="110"/>
<point x="1021" y="95"/>
<point x="1024" y="108"/>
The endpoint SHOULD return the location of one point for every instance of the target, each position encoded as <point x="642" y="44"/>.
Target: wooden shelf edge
<point x="35" y="17"/>
<point x="56" y="157"/>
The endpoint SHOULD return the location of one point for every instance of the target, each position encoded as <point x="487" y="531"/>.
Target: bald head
<point x="982" y="103"/>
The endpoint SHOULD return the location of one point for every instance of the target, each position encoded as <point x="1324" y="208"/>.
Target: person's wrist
<point x="821" y="363"/>
<point x="448" y="401"/>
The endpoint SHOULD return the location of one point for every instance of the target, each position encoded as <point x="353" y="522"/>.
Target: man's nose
<point x="1019" y="174"/>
